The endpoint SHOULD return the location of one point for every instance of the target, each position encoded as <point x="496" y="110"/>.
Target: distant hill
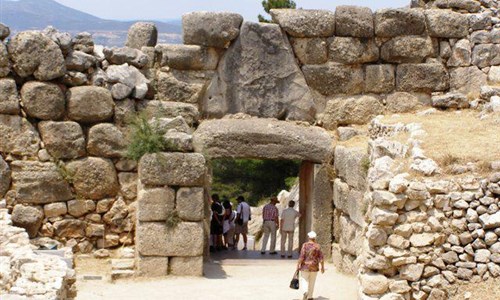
<point x="38" y="14"/>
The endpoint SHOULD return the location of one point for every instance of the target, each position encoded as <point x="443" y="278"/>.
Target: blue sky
<point x="169" y="9"/>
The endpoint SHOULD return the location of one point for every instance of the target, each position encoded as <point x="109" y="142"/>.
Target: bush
<point x="145" y="137"/>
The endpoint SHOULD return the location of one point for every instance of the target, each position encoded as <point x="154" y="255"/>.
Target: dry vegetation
<point x="457" y="137"/>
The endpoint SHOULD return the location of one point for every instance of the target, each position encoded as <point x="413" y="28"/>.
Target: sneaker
<point x="244" y="248"/>
<point x="282" y="256"/>
<point x="262" y="252"/>
<point x="273" y="253"/>
<point x="290" y="256"/>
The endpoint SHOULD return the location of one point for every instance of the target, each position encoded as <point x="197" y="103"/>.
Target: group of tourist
<point x="227" y="225"/>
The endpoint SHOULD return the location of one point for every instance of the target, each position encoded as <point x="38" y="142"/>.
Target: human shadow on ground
<point x="213" y="270"/>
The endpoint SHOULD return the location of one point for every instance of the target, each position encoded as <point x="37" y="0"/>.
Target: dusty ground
<point x="240" y="277"/>
<point x="489" y="290"/>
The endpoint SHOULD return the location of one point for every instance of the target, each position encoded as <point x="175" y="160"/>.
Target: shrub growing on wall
<point x="270" y="4"/>
<point x="144" y="137"/>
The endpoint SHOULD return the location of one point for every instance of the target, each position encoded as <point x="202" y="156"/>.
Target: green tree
<point x="270" y="4"/>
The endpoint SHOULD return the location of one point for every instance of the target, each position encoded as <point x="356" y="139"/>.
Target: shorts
<point x="215" y="228"/>
<point x="241" y="229"/>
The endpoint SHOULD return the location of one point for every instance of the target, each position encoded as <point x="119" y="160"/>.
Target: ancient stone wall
<point x="27" y="275"/>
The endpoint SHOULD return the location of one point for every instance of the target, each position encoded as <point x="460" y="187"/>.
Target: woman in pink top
<point x="309" y="263"/>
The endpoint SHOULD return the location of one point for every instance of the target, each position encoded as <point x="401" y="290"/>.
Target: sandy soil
<point x="250" y="277"/>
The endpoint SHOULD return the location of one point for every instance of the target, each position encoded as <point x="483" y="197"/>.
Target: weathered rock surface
<point x="36" y="182"/>
<point x="80" y="61"/>
<point x="400" y="102"/>
<point x="90" y="104"/>
<point x="33" y="53"/>
<point x="142" y="34"/>
<point x="94" y="178"/>
<point x="27" y="217"/>
<point x="63" y="140"/>
<point x="446" y="24"/>
<point x="43" y="100"/>
<point x="186" y="266"/>
<point x="348" y="50"/>
<point x="18" y="136"/>
<point x="467" y="80"/>
<point x="4" y="177"/>
<point x="422" y="77"/>
<point x="380" y="78"/>
<point x="354" y="21"/>
<point x="273" y="87"/>
<point x="330" y="79"/>
<point x="348" y="166"/>
<point x="174" y="169"/>
<point x="188" y="57"/>
<point x="154" y="204"/>
<point x="186" y="239"/>
<point x="9" y="97"/>
<point x="344" y="111"/>
<point x="310" y="51"/>
<point x="450" y="100"/>
<point x="78" y="208"/>
<point x="4" y="31"/>
<point x="131" y="56"/>
<point x="461" y="54"/>
<point x="106" y="140"/>
<point x="4" y="60"/>
<point x="170" y="109"/>
<point x="83" y="42"/>
<point x="261" y="138"/>
<point x="398" y="22"/>
<point x="180" y="87"/>
<point x="210" y="28"/>
<point x="373" y="284"/>
<point x="408" y="49"/>
<point x="70" y="228"/>
<point x="129" y="76"/>
<point x="190" y="204"/>
<point x="305" y="22"/>
<point x="55" y="209"/>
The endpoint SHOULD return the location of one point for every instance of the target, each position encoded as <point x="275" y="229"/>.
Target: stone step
<point x="122" y="264"/>
<point x="121" y="274"/>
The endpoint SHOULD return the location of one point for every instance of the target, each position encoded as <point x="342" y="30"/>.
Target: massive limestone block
<point x="43" y="100"/>
<point x="93" y="178"/>
<point x="170" y="109"/>
<point x="461" y="54"/>
<point x="4" y="61"/>
<point x="106" y="140"/>
<point x="310" y="51"/>
<point x="129" y="76"/>
<point x="190" y="204"/>
<point x="342" y="111"/>
<point x="351" y="236"/>
<point x="408" y="49"/>
<point x="154" y="204"/>
<point x="399" y="21"/>
<point x="39" y="183"/>
<point x="349" y="201"/>
<point x="151" y="266"/>
<point x="446" y="24"/>
<point x="27" y="217"/>
<point x="4" y="177"/>
<point x="90" y="104"/>
<point x="401" y="102"/>
<point x="18" y="136"/>
<point x="156" y="239"/>
<point x="348" y="50"/>
<point x="262" y="138"/>
<point x="70" y="228"/>
<point x="258" y="75"/>
<point x="305" y="22"/>
<point x="330" y="79"/>
<point x="184" y="169"/>
<point x="33" y="53"/>
<point x="380" y="78"/>
<point x="354" y="21"/>
<point x="211" y="29"/>
<point x="9" y="98"/>
<point x="181" y="86"/>
<point x="468" y="5"/>
<point x="422" y="78"/>
<point x="322" y="208"/>
<point x="467" y="81"/>
<point x="349" y="166"/>
<point x="186" y="266"/>
<point x="142" y="34"/>
<point x="63" y="140"/>
<point x="486" y="55"/>
<point x="119" y="56"/>
<point x="188" y="57"/>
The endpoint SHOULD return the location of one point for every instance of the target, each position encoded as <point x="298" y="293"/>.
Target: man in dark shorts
<point x="216" y="228"/>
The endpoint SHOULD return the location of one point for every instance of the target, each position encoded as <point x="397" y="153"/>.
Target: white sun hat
<point x="312" y="235"/>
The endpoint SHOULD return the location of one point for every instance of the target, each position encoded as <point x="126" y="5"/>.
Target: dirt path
<point x="249" y="277"/>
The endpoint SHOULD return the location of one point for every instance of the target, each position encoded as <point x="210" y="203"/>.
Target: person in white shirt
<point x="287" y="225"/>
<point x="244" y="214"/>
